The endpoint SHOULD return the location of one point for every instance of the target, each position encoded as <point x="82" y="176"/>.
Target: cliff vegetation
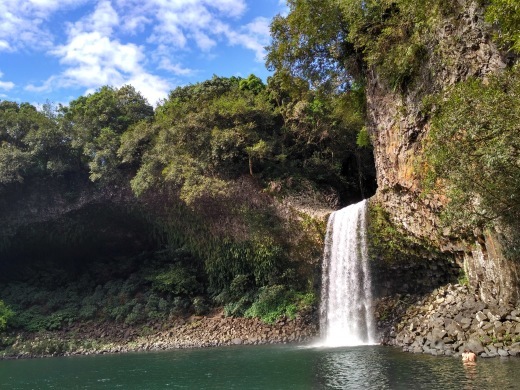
<point x="440" y="80"/>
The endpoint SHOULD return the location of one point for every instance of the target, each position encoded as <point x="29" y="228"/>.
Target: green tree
<point x="32" y="143"/>
<point x="252" y="83"/>
<point x="473" y="149"/>
<point x="203" y="136"/>
<point x="333" y="43"/>
<point x="318" y="136"/>
<point x="5" y="314"/>
<point x="310" y="42"/>
<point x="98" y="121"/>
<point x="505" y="15"/>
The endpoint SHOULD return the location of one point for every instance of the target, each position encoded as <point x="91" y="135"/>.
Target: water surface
<point x="261" y="367"/>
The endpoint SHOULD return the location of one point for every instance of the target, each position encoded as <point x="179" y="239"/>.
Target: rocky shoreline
<point x="443" y="323"/>
<point x="453" y="318"/>
<point x="192" y="332"/>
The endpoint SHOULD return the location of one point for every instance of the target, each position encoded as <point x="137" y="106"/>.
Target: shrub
<point x="277" y="301"/>
<point x="473" y="159"/>
<point x="363" y="138"/>
<point x="505" y="14"/>
<point x="177" y="280"/>
<point x="5" y="314"/>
<point x="200" y="305"/>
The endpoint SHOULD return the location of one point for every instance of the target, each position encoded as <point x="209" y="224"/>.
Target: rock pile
<point x="452" y="319"/>
<point x="212" y="332"/>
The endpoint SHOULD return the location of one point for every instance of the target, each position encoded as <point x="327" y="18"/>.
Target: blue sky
<point x="58" y="50"/>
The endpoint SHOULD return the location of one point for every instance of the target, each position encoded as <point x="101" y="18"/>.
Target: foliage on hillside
<point x="202" y="228"/>
<point x="31" y="143"/>
<point x="206" y="135"/>
<point x="5" y="314"/>
<point x="505" y="17"/>
<point x="473" y="149"/>
<point x="206" y="164"/>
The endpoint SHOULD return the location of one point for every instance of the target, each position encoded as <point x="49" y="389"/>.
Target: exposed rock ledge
<point x="451" y="319"/>
<point x="182" y="333"/>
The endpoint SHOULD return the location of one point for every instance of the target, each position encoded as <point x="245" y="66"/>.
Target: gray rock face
<point x="460" y="48"/>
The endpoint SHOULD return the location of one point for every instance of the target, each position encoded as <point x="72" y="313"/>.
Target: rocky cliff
<point x="459" y="48"/>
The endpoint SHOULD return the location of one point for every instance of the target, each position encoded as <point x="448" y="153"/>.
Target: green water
<point x="261" y="367"/>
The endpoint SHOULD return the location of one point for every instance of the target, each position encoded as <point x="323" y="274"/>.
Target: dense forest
<point x="113" y="210"/>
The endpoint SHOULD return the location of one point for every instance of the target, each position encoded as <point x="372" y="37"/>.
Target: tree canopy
<point x="474" y="149"/>
<point x="96" y="123"/>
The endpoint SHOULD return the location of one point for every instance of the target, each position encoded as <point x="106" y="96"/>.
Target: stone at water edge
<point x="474" y="345"/>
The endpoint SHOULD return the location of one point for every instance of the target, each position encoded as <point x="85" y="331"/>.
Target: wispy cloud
<point x="6" y="85"/>
<point x="175" y="68"/>
<point x="253" y="36"/>
<point x="102" y="20"/>
<point x="23" y="23"/>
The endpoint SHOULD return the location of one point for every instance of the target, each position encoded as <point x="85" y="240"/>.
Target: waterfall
<point x="346" y="313"/>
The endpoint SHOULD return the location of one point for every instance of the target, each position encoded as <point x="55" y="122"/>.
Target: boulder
<point x="481" y="317"/>
<point x="474" y="345"/>
<point x="502" y="352"/>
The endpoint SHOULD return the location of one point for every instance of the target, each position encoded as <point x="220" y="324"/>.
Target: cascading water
<point x="346" y="313"/>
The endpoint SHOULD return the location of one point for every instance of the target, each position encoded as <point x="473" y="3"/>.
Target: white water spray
<point x="346" y="313"/>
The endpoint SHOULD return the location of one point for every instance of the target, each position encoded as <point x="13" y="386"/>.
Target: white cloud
<point x="4" y="45"/>
<point x="134" y="24"/>
<point x="204" y="42"/>
<point x="205" y="22"/>
<point x="127" y="41"/>
<point x="259" y="27"/>
<point x="174" y="22"/>
<point x="102" y="20"/>
<point x="152" y="87"/>
<point x="176" y="68"/>
<point x="253" y="36"/>
<point x="5" y="85"/>
<point x="91" y="49"/>
<point x="232" y="8"/>
<point x="93" y="60"/>
<point x="49" y="5"/>
<point x="169" y="32"/>
<point x="45" y="87"/>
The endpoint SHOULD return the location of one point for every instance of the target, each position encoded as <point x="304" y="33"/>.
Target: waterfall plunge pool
<point x="271" y="367"/>
<point x="346" y="321"/>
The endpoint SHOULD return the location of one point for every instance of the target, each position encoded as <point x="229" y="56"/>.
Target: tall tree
<point x="32" y="143"/>
<point x="203" y="135"/>
<point x="311" y="42"/>
<point x="97" y="122"/>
